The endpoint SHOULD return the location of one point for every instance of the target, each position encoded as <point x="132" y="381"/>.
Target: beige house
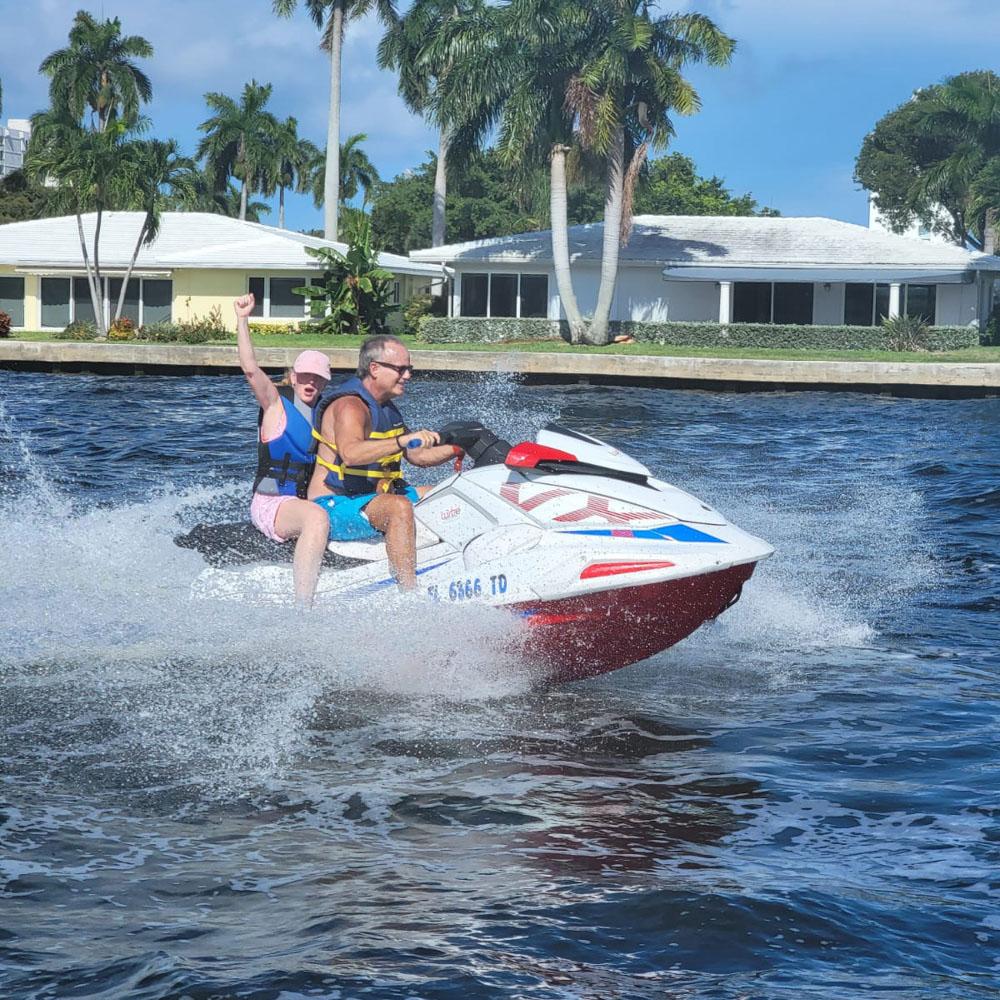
<point x="198" y="262"/>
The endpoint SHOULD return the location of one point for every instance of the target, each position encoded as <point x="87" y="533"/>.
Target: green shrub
<point x="991" y="335"/>
<point x="904" y="333"/>
<point x="470" y="329"/>
<point x="163" y="332"/>
<point x="4" y="324"/>
<point x="264" y="328"/>
<point x="413" y="313"/>
<point x="193" y="333"/>
<point x="79" y="329"/>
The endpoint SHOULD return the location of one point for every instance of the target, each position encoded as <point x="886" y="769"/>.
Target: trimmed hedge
<point x="749" y="335"/>
<point x="499" y="330"/>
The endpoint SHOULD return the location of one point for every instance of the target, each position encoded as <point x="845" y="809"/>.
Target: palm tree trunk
<point x="331" y="180"/>
<point x="560" y="242"/>
<point x="97" y="289"/>
<point x="281" y="206"/>
<point x="990" y="232"/>
<point x="95" y="299"/>
<point x="243" y="199"/>
<point x="598" y="332"/>
<point x="128" y="270"/>
<point x="440" y="190"/>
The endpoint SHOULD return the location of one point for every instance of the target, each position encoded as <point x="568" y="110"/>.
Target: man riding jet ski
<point x="601" y="563"/>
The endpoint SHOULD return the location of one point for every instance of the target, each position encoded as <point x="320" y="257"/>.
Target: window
<point x="64" y="299"/>
<point x="130" y="307"/>
<point x="793" y="303"/>
<point x="83" y="305"/>
<point x="921" y="300"/>
<point x="256" y="288"/>
<point x="12" y="299"/>
<point x="881" y="302"/>
<point x="505" y="295"/>
<point x="751" y="302"/>
<point x="475" y="294"/>
<point x="285" y="304"/>
<point x="868" y="305"/>
<point x="395" y="293"/>
<point x="858" y="304"/>
<point x="55" y="301"/>
<point x="773" y="302"/>
<point x="274" y="298"/>
<point x="156" y="301"/>
<point x="534" y="295"/>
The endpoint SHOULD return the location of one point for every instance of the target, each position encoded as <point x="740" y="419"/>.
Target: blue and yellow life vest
<point x="285" y="465"/>
<point x="383" y="475"/>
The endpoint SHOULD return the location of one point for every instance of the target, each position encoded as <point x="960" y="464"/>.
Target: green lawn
<point x="974" y="355"/>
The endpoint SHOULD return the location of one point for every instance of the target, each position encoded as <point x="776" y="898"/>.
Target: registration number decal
<point x="471" y="588"/>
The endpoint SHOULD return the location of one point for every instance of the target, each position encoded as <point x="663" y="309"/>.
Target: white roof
<point x="705" y="246"/>
<point x="186" y="240"/>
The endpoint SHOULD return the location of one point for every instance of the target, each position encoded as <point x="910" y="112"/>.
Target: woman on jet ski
<point x="279" y="509"/>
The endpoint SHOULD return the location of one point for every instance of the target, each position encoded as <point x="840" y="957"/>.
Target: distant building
<point x="728" y="269"/>
<point x="918" y="230"/>
<point x="198" y="262"/>
<point x="13" y="144"/>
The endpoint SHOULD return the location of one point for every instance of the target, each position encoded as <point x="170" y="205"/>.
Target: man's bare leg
<point x="309" y="525"/>
<point x="393" y="516"/>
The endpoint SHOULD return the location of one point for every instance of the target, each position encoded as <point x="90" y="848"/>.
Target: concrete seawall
<point x="932" y="379"/>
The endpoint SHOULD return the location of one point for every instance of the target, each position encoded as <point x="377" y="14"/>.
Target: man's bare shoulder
<point x="347" y="406"/>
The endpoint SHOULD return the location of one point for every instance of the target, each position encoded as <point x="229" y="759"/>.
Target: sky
<point x="784" y="122"/>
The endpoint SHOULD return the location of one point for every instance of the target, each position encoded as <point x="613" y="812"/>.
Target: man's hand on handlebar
<point x="420" y="439"/>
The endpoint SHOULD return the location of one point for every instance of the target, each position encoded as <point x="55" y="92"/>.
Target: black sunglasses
<point x="398" y="369"/>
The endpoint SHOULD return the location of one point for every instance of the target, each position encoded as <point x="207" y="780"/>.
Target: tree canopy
<point x="483" y="201"/>
<point x="936" y="158"/>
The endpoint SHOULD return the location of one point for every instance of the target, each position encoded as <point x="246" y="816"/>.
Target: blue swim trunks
<point x="347" y="523"/>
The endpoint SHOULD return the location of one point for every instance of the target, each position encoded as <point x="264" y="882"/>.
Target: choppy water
<point x="203" y="800"/>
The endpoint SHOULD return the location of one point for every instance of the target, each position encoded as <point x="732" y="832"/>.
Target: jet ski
<point x="602" y="563"/>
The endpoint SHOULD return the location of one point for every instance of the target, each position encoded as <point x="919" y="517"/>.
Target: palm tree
<point x="150" y="167"/>
<point x="424" y="45"/>
<point x="357" y="172"/>
<point x="96" y="71"/>
<point x="517" y="85"/>
<point x="622" y="101"/>
<point x="196" y="193"/>
<point x="330" y="16"/>
<point x="291" y="158"/>
<point x="238" y="140"/>
<point x="87" y="169"/>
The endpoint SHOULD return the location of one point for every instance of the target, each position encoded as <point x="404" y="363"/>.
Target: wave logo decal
<point x="670" y="533"/>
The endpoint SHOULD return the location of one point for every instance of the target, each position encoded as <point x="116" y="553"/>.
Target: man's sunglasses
<point x="398" y="369"/>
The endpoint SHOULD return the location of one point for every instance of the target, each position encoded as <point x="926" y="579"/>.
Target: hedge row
<point x="198" y="332"/>
<point x="479" y="330"/>
<point x="451" y="330"/>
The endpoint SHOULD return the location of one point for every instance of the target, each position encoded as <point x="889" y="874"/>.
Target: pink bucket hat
<point x="312" y="363"/>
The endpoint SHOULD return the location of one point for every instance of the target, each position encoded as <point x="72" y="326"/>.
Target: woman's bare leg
<point x="309" y="525"/>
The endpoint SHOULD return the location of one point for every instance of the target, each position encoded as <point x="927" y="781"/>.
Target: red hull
<point x="581" y="637"/>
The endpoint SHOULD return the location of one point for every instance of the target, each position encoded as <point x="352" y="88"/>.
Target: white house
<point x="728" y="269"/>
<point x="198" y="262"/>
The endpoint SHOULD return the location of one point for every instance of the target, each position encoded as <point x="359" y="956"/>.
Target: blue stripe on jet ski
<point x="370" y="588"/>
<point x="672" y="532"/>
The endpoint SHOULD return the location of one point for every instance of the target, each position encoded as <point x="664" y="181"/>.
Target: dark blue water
<point x="209" y="800"/>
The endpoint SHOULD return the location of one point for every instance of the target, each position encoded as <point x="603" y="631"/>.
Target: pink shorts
<point x="264" y="512"/>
